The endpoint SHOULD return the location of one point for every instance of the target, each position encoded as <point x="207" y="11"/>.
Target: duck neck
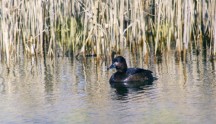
<point x="122" y="69"/>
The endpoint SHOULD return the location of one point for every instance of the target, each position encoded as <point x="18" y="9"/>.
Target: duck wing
<point x="131" y="71"/>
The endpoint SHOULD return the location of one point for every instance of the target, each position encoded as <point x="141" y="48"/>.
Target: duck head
<point x="119" y="63"/>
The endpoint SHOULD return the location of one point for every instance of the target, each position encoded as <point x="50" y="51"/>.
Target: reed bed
<point x="50" y="28"/>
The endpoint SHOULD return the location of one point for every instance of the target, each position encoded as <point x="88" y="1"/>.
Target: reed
<point x="96" y="27"/>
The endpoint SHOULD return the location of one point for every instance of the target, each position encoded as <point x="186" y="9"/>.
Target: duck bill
<point x="111" y="66"/>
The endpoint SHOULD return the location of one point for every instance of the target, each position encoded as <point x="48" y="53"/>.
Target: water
<point x="72" y="91"/>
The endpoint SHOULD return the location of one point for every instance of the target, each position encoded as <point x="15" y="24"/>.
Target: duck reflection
<point x="123" y="91"/>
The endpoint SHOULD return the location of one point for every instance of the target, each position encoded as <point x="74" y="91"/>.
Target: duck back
<point x="138" y="74"/>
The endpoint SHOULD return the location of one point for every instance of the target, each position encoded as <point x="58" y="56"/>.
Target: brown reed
<point x="96" y="27"/>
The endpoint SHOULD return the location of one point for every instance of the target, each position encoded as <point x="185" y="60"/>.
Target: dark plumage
<point x="129" y="76"/>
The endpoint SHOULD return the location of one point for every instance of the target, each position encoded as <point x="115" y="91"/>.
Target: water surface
<point x="67" y="90"/>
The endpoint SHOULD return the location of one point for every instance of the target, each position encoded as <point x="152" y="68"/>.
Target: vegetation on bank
<point x="96" y="27"/>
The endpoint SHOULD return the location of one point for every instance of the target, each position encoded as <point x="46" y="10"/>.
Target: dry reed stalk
<point x="179" y="27"/>
<point x="211" y="31"/>
<point x="133" y="19"/>
<point x="115" y="25"/>
<point x="142" y="30"/>
<point x="158" y="25"/>
<point x="105" y="25"/>
<point x="121" y="20"/>
<point x="171" y="22"/>
<point x="5" y="28"/>
<point x="214" y="29"/>
<point x="214" y="48"/>
<point x="186" y="32"/>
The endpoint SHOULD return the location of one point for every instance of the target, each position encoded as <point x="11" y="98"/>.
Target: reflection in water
<point x="64" y="90"/>
<point x="2" y="86"/>
<point x="2" y="81"/>
<point x="48" y="77"/>
<point x="123" y="92"/>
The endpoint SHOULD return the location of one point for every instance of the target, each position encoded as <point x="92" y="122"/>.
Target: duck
<point x="127" y="77"/>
